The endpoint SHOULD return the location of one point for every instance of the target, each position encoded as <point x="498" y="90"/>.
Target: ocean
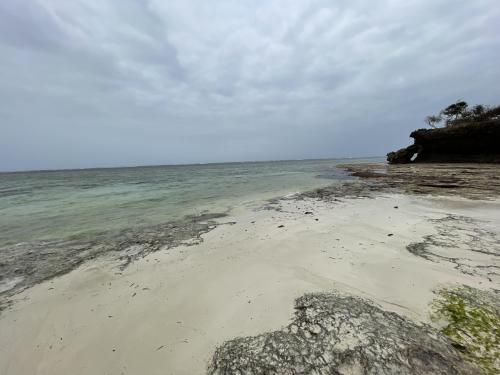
<point x="51" y="220"/>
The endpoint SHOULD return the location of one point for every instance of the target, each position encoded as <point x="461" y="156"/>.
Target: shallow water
<point x="58" y="204"/>
<point x="53" y="221"/>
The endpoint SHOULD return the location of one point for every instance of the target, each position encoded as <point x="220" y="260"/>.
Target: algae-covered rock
<point x="471" y="319"/>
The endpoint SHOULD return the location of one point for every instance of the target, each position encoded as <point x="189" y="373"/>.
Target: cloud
<point x="96" y="83"/>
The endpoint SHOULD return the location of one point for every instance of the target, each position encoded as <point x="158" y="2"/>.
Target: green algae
<point x="470" y="318"/>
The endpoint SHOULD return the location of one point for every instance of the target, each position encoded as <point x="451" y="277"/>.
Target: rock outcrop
<point x="403" y="155"/>
<point x="476" y="142"/>
<point x="341" y="334"/>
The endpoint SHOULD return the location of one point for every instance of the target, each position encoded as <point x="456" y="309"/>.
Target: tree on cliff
<point x="459" y="114"/>
<point x="433" y="121"/>
<point x="454" y="111"/>
<point x="478" y="110"/>
<point x="450" y="115"/>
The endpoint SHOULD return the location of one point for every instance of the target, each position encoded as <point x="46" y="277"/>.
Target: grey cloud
<point x="26" y="24"/>
<point x="94" y="82"/>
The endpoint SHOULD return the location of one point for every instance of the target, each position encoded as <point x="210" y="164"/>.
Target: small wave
<point x="9" y="284"/>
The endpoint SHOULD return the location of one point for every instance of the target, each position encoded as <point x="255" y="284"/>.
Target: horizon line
<point x="180" y="164"/>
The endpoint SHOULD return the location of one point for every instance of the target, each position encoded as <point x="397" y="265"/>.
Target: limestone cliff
<point x="477" y="142"/>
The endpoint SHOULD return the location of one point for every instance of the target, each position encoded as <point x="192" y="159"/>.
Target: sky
<point x="97" y="83"/>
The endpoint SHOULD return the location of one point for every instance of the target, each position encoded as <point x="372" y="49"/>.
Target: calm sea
<point x="56" y="204"/>
<point x="53" y="221"/>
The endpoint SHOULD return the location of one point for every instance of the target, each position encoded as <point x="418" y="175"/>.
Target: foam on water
<point x="8" y="284"/>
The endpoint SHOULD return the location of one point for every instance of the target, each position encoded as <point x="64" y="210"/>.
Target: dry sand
<point x="166" y="313"/>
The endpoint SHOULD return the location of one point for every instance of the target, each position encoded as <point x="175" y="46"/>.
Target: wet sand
<point x="167" y="313"/>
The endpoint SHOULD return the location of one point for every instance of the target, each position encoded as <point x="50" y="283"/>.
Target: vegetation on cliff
<point x="459" y="113"/>
<point x="458" y="134"/>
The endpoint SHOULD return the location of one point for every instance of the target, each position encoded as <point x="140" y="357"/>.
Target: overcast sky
<point x="87" y="83"/>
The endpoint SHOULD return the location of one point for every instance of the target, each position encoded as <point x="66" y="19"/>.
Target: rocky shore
<point x="333" y="333"/>
<point x="338" y="334"/>
<point x="467" y="180"/>
<point x="396" y="271"/>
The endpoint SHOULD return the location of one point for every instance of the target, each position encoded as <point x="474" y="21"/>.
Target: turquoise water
<point x="58" y="204"/>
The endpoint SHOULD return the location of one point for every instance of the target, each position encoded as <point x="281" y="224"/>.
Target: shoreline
<point x="31" y="263"/>
<point x="168" y="311"/>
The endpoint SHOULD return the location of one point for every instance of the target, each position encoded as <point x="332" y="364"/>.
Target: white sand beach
<point x="249" y="187"/>
<point x="167" y="312"/>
